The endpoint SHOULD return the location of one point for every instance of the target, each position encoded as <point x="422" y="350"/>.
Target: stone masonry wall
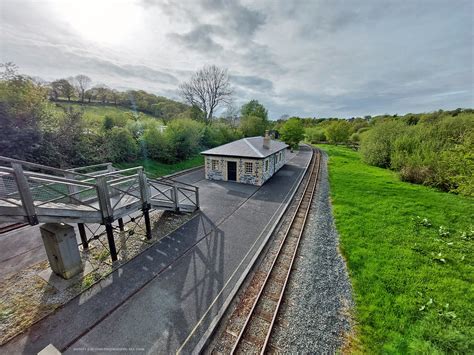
<point x="259" y="175"/>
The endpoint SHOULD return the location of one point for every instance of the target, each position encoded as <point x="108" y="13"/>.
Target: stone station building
<point x="250" y="160"/>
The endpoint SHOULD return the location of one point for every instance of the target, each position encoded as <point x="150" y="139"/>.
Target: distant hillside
<point x="95" y="113"/>
<point x="131" y="101"/>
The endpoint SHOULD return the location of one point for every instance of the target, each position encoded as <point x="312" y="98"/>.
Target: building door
<point x="231" y="171"/>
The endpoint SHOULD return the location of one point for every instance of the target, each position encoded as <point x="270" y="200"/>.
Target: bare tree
<point x="232" y="114"/>
<point x="82" y="83"/>
<point x="207" y="88"/>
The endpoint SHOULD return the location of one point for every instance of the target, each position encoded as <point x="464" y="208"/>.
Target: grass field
<point x="156" y="169"/>
<point x="409" y="250"/>
<point x="94" y="113"/>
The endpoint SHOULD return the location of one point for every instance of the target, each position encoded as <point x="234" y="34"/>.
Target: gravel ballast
<point x="316" y="314"/>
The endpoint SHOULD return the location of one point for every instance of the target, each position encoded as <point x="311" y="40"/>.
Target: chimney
<point x="266" y="140"/>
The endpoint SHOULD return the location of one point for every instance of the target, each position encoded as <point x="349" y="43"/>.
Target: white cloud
<point x="312" y="58"/>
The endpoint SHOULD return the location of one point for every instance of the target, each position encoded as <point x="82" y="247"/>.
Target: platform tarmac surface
<point x="164" y="300"/>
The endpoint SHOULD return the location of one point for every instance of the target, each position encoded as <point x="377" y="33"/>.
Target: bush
<point x="354" y="138"/>
<point x="315" y="135"/>
<point x="253" y="126"/>
<point x="437" y="150"/>
<point x="183" y="138"/>
<point x="377" y="143"/>
<point x="120" y="145"/>
<point x="155" y="145"/>
<point x="338" y="131"/>
<point x="218" y="133"/>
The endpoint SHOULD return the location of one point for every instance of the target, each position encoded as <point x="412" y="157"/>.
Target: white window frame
<point x="214" y="164"/>
<point x="246" y="165"/>
<point x="266" y="165"/>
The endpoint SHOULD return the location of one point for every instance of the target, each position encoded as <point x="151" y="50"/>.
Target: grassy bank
<point x="156" y="169"/>
<point x="409" y="252"/>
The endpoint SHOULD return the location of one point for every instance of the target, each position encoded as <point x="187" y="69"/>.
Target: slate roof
<point x="251" y="147"/>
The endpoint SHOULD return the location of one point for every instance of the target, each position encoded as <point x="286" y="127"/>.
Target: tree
<point x="207" y="89"/>
<point x="292" y="132"/>
<point x="63" y="88"/>
<point x="254" y="108"/>
<point x="115" y="96"/>
<point x="338" y="131"/>
<point x="252" y="126"/>
<point x="82" y="83"/>
<point x="103" y="93"/>
<point x="90" y="94"/>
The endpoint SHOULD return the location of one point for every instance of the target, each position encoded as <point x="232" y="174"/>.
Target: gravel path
<point x="316" y="314"/>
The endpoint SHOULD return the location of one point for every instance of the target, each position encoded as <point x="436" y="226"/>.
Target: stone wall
<point x="259" y="175"/>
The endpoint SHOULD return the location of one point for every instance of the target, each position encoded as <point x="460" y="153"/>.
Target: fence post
<point x="145" y="197"/>
<point x="25" y="194"/>
<point x="197" y="197"/>
<point x="107" y="213"/>
<point x="72" y="189"/>
<point x="175" y="196"/>
<point x="110" y="167"/>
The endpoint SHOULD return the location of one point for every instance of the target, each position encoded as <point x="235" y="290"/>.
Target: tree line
<point x="434" y="149"/>
<point x="38" y="126"/>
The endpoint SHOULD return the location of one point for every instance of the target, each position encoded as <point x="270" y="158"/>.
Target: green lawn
<point x="156" y="169"/>
<point x="409" y="250"/>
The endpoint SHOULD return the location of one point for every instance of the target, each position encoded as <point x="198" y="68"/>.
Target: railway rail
<point x="255" y="332"/>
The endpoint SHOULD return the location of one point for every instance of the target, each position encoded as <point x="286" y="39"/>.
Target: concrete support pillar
<point x="61" y="248"/>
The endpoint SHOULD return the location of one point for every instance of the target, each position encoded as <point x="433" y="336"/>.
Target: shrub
<point x="218" y="133"/>
<point x="120" y="145"/>
<point x="354" y="138"/>
<point x="252" y="126"/>
<point x="183" y="138"/>
<point x="377" y="144"/>
<point x="338" y="131"/>
<point x="315" y="135"/>
<point x="155" y="145"/>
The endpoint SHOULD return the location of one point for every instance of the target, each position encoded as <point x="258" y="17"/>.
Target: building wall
<point x="259" y="175"/>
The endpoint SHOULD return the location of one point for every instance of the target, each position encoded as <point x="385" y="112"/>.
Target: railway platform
<point x="167" y="298"/>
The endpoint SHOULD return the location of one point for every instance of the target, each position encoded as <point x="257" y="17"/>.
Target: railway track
<point x="265" y="299"/>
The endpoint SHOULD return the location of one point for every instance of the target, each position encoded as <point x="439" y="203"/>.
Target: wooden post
<point x="146" y="214"/>
<point x="145" y="196"/>
<point x="104" y="197"/>
<point x="174" y="196"/>
<point x="25" y="194"/>
<point x="197" y="197"/>
<point x="110" y="238"/>
<point x="110" y="167"/>
<point x="72" y="189"/>
<point x="82" y="233"/>
<point x="107" y="213"/>
<point x="144" y="188"/>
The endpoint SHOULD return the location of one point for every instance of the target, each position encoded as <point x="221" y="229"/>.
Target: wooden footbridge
<point x="34" y="193"/>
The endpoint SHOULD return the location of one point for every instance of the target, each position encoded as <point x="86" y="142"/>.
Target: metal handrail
<point x="51" y="178"/>
<point x="38" y="166"/>
<point x="118" y="172"/>
<point x="89" y="167"/>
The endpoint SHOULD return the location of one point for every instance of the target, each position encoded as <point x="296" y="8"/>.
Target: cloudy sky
<point x="309" y="58"/>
